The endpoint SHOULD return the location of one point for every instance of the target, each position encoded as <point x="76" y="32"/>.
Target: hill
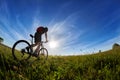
<point x="100" y="66"/>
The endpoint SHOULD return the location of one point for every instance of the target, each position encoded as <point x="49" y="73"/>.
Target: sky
<point x="76" y="27"/>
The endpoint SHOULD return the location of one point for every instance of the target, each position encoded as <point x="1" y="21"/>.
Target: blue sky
<point x="77" y="26"/>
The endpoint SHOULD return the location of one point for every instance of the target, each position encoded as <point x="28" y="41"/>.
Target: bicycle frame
<point x="40" y="44"/>
<point x="19" y="54"/>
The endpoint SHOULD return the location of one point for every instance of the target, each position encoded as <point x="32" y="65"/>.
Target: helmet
<point x="40" y="29"/>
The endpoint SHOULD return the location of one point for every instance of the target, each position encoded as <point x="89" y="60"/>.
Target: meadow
<point x="99" y="66"/>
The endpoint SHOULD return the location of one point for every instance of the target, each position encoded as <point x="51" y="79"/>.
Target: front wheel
<point x="19" y="50"/>
<point x="43" y="54"/>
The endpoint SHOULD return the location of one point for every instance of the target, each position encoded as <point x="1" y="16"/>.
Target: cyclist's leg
<point x="35" y="53"/>
<point x="38" y="47"/>
<point x="31" y="46"/>
<point x="37" y="42"/>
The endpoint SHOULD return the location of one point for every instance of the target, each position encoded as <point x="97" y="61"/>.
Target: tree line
<point x="1" y="39"/>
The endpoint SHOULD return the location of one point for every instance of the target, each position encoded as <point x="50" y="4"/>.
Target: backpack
<point x="40" y="29"/>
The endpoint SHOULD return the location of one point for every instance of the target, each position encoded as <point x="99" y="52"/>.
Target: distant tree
<point x="115" y="46"/>
<point x="100" y="51"/>
<point x="1" y="40"/>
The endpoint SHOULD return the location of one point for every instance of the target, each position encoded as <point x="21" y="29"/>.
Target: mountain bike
<point x="22" y="50"/>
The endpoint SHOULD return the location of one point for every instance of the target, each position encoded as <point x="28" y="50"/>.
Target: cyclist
<point x="37" y="38"/>
<point x="38" y="34"/>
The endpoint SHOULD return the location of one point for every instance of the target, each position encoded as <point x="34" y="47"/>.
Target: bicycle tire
<point x="14" y="51"/>
<point x="43" y="53"/>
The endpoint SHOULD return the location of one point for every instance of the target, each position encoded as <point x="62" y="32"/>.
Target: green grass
<point x="99" y="66"/>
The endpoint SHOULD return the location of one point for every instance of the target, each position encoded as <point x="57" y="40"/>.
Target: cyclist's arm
<point x="46" y="36"/>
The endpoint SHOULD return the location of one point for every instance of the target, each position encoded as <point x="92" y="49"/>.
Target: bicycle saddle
<point x="31" y="35"/>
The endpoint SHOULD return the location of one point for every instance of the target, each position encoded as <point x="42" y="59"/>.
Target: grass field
<point x="99" y="66"/>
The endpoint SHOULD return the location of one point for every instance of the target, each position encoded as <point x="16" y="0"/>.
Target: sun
<point x="53" y="44"/>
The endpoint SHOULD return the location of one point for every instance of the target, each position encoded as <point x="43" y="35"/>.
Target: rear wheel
<point x="19" y="50"/>
<point x="43" y="54"/>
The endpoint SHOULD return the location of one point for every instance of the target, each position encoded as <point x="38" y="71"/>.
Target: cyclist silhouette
<point x="37" y="38"/>
<point x="38" y="34"/>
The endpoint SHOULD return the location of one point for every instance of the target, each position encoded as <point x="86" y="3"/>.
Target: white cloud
<point x="65" y="33"/>
<point x="8" y="31"/>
